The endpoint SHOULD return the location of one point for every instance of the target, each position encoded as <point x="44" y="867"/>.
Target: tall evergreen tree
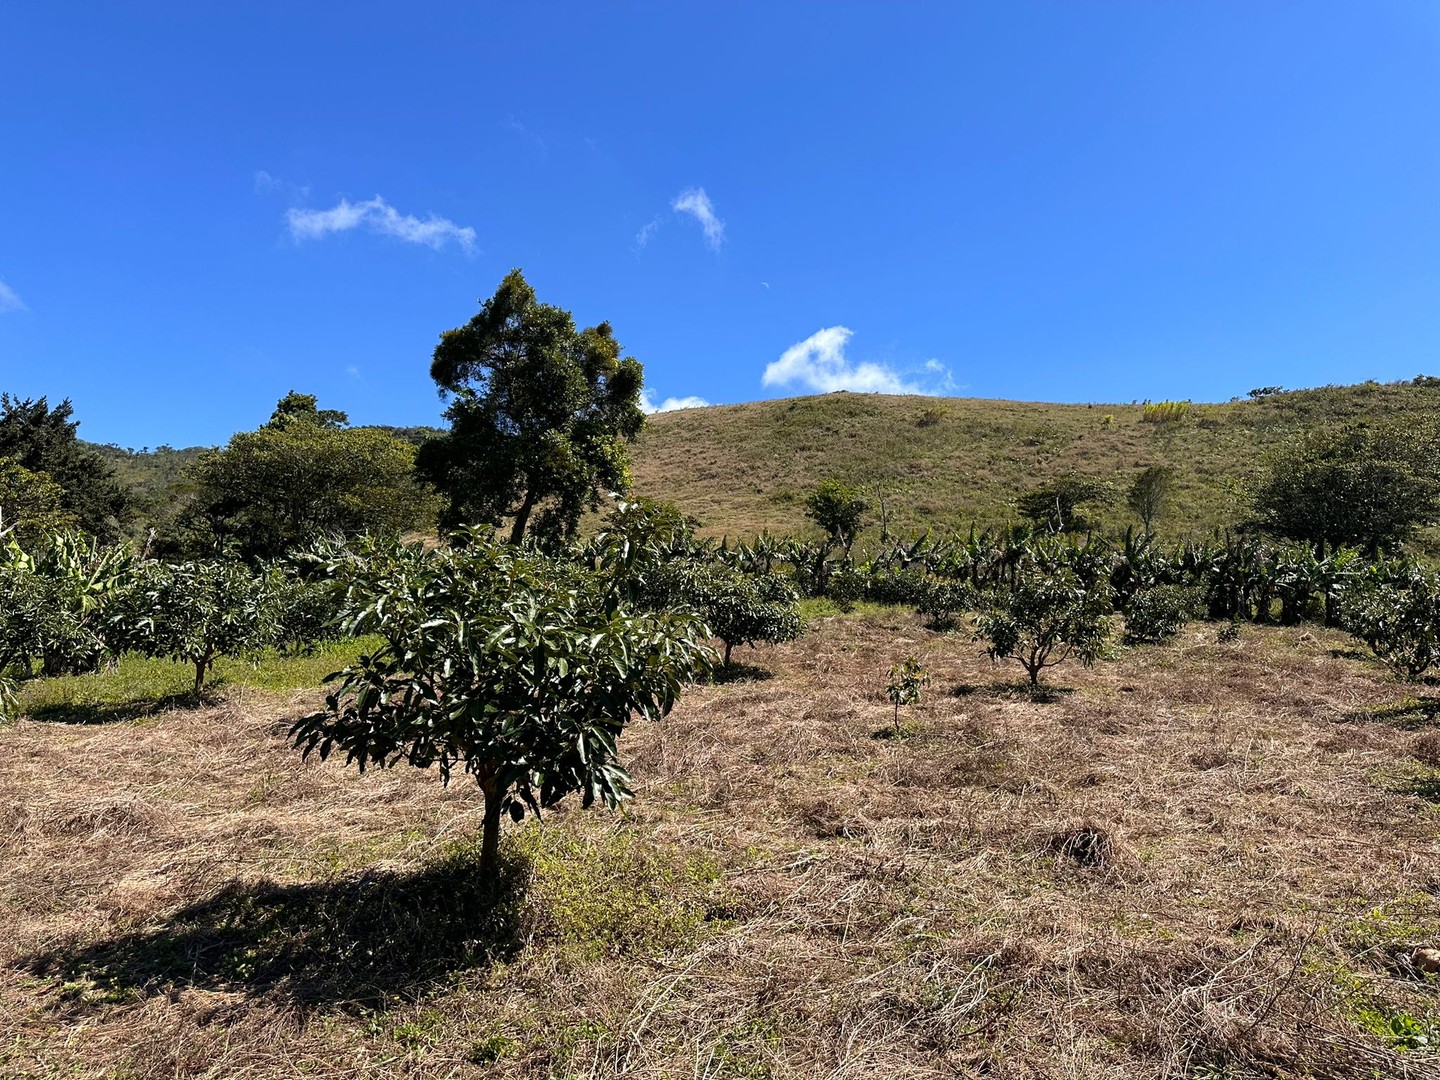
<point x="539" y="413"/>
<point x="44" y="440"/>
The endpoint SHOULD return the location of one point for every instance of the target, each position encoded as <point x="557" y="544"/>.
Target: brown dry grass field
<point x="1197" y="860"/>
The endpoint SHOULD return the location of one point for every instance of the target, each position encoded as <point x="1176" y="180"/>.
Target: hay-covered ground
<point x="1197" y="860"/>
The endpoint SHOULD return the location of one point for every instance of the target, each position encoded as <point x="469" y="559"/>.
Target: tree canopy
<point x="43" y="440"/>
<point x="1356" y="485"/>
<point x="539" y="414"/>
<point x="301" y="475"/>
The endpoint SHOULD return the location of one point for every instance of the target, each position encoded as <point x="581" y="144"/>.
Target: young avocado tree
<point x="740" y="609"/>
<point x="1396" y="611"/>
<point x="907" y="679"/>
<point x="517" y="669"/>
<point x="1046" y="618"/>
<point x="195" y="612"/>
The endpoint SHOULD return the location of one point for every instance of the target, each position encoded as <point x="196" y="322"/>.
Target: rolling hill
<point x="947" y="462"/>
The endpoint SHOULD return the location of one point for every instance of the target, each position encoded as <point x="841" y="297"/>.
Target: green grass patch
<point x="138" y="686"/>
<point x="607" y="895"/>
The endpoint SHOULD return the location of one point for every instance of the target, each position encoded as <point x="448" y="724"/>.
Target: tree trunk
<point x="200" y="666"/>
<point x="490" y="835"/>
<point x="522" y="516"/>
<point x="727" y="654"/>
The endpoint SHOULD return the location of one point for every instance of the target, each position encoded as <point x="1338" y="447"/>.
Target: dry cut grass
<point x="1199" y="860"/>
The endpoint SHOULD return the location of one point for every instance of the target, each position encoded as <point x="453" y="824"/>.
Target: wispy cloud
<point x="513" y="123"/>
<point x="670" y="404"/>
<point x="646" y="232"/>
<point x="265" y="184"/>
<point x="10" y="299"/>
<point x="378" y="216"/>
<point x="819" y="363"/>
<point x="698" y="205"/>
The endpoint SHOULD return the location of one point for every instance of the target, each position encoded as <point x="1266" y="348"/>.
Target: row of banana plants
<point x="1391" y="604"/>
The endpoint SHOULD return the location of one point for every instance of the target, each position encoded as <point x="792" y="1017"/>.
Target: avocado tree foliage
<point x="1046" y="617"/>
<point x="518" y="669"/>
<point x="539" y="414"/>
<point x="1396" y="611"/>
<point x="739" y="608"/>
<point x="195" y="612"/>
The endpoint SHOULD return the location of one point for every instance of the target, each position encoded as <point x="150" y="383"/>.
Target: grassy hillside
<point x="942" y="462"/>
<point x="946" y="462"/>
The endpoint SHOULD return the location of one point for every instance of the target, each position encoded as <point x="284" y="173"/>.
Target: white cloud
<point x="670" y="404"/>
<point x="379" y="217"/>
<point x="265" y="184"/>
<point x="819" y="363"/>
<point x="10" y="299"/>
<point x="697" y="204"/>
<point x="643" y="236"/>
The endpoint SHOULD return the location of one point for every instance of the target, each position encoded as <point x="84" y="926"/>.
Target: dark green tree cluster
<point x="539" y="416"/>
<point x="1358" y="485"/>
<point x="304" y="474"/>
<point x="68" y="483"/>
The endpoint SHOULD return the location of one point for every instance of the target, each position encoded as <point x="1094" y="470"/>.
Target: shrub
<point x="944" y="601"/>
<point x="194" y="612"/>
<point x="1164" y="412"/>
<point x="1157" y="613"/>
<point x="1045" y="618"/>
<point x="1396" y="612"/>
<point x="739" y="609"/>
<point x="55" y="602"/>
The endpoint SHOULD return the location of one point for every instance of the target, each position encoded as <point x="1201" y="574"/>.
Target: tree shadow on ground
<point x="115" y="712"/>
<point x="1422" y="787"/>
<point x="357" y="942"/>
<point x="1409" y="713"/>
<point x="1013" y="690"/>
<point x="738" y="672"/>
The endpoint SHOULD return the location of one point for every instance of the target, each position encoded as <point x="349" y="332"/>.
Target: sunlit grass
<point x="137" y="680"/>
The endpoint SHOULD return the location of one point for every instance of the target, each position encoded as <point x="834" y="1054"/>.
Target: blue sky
<point x="203" y="206"/>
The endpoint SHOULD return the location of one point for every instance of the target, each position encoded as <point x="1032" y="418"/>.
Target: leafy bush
<point x="944" y="601"/>
<point x="1157" y="613"/>
<point x="55" y="601"/>
<point x="1045" y="618"/>
<point x="1396" y="612"/>
<point x="194" y="612"/>
<point x="738" y="608"/>
<point x="518" y="669"/>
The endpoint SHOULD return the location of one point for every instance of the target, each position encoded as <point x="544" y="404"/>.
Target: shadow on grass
<point x="1408" y="713"/>
<point x="357" y="942"/>
<point x="1042" y="693"/>
<point x="116" y="712"/>
<point x="1422" y="787"/>
<point x="741" y="673"/>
